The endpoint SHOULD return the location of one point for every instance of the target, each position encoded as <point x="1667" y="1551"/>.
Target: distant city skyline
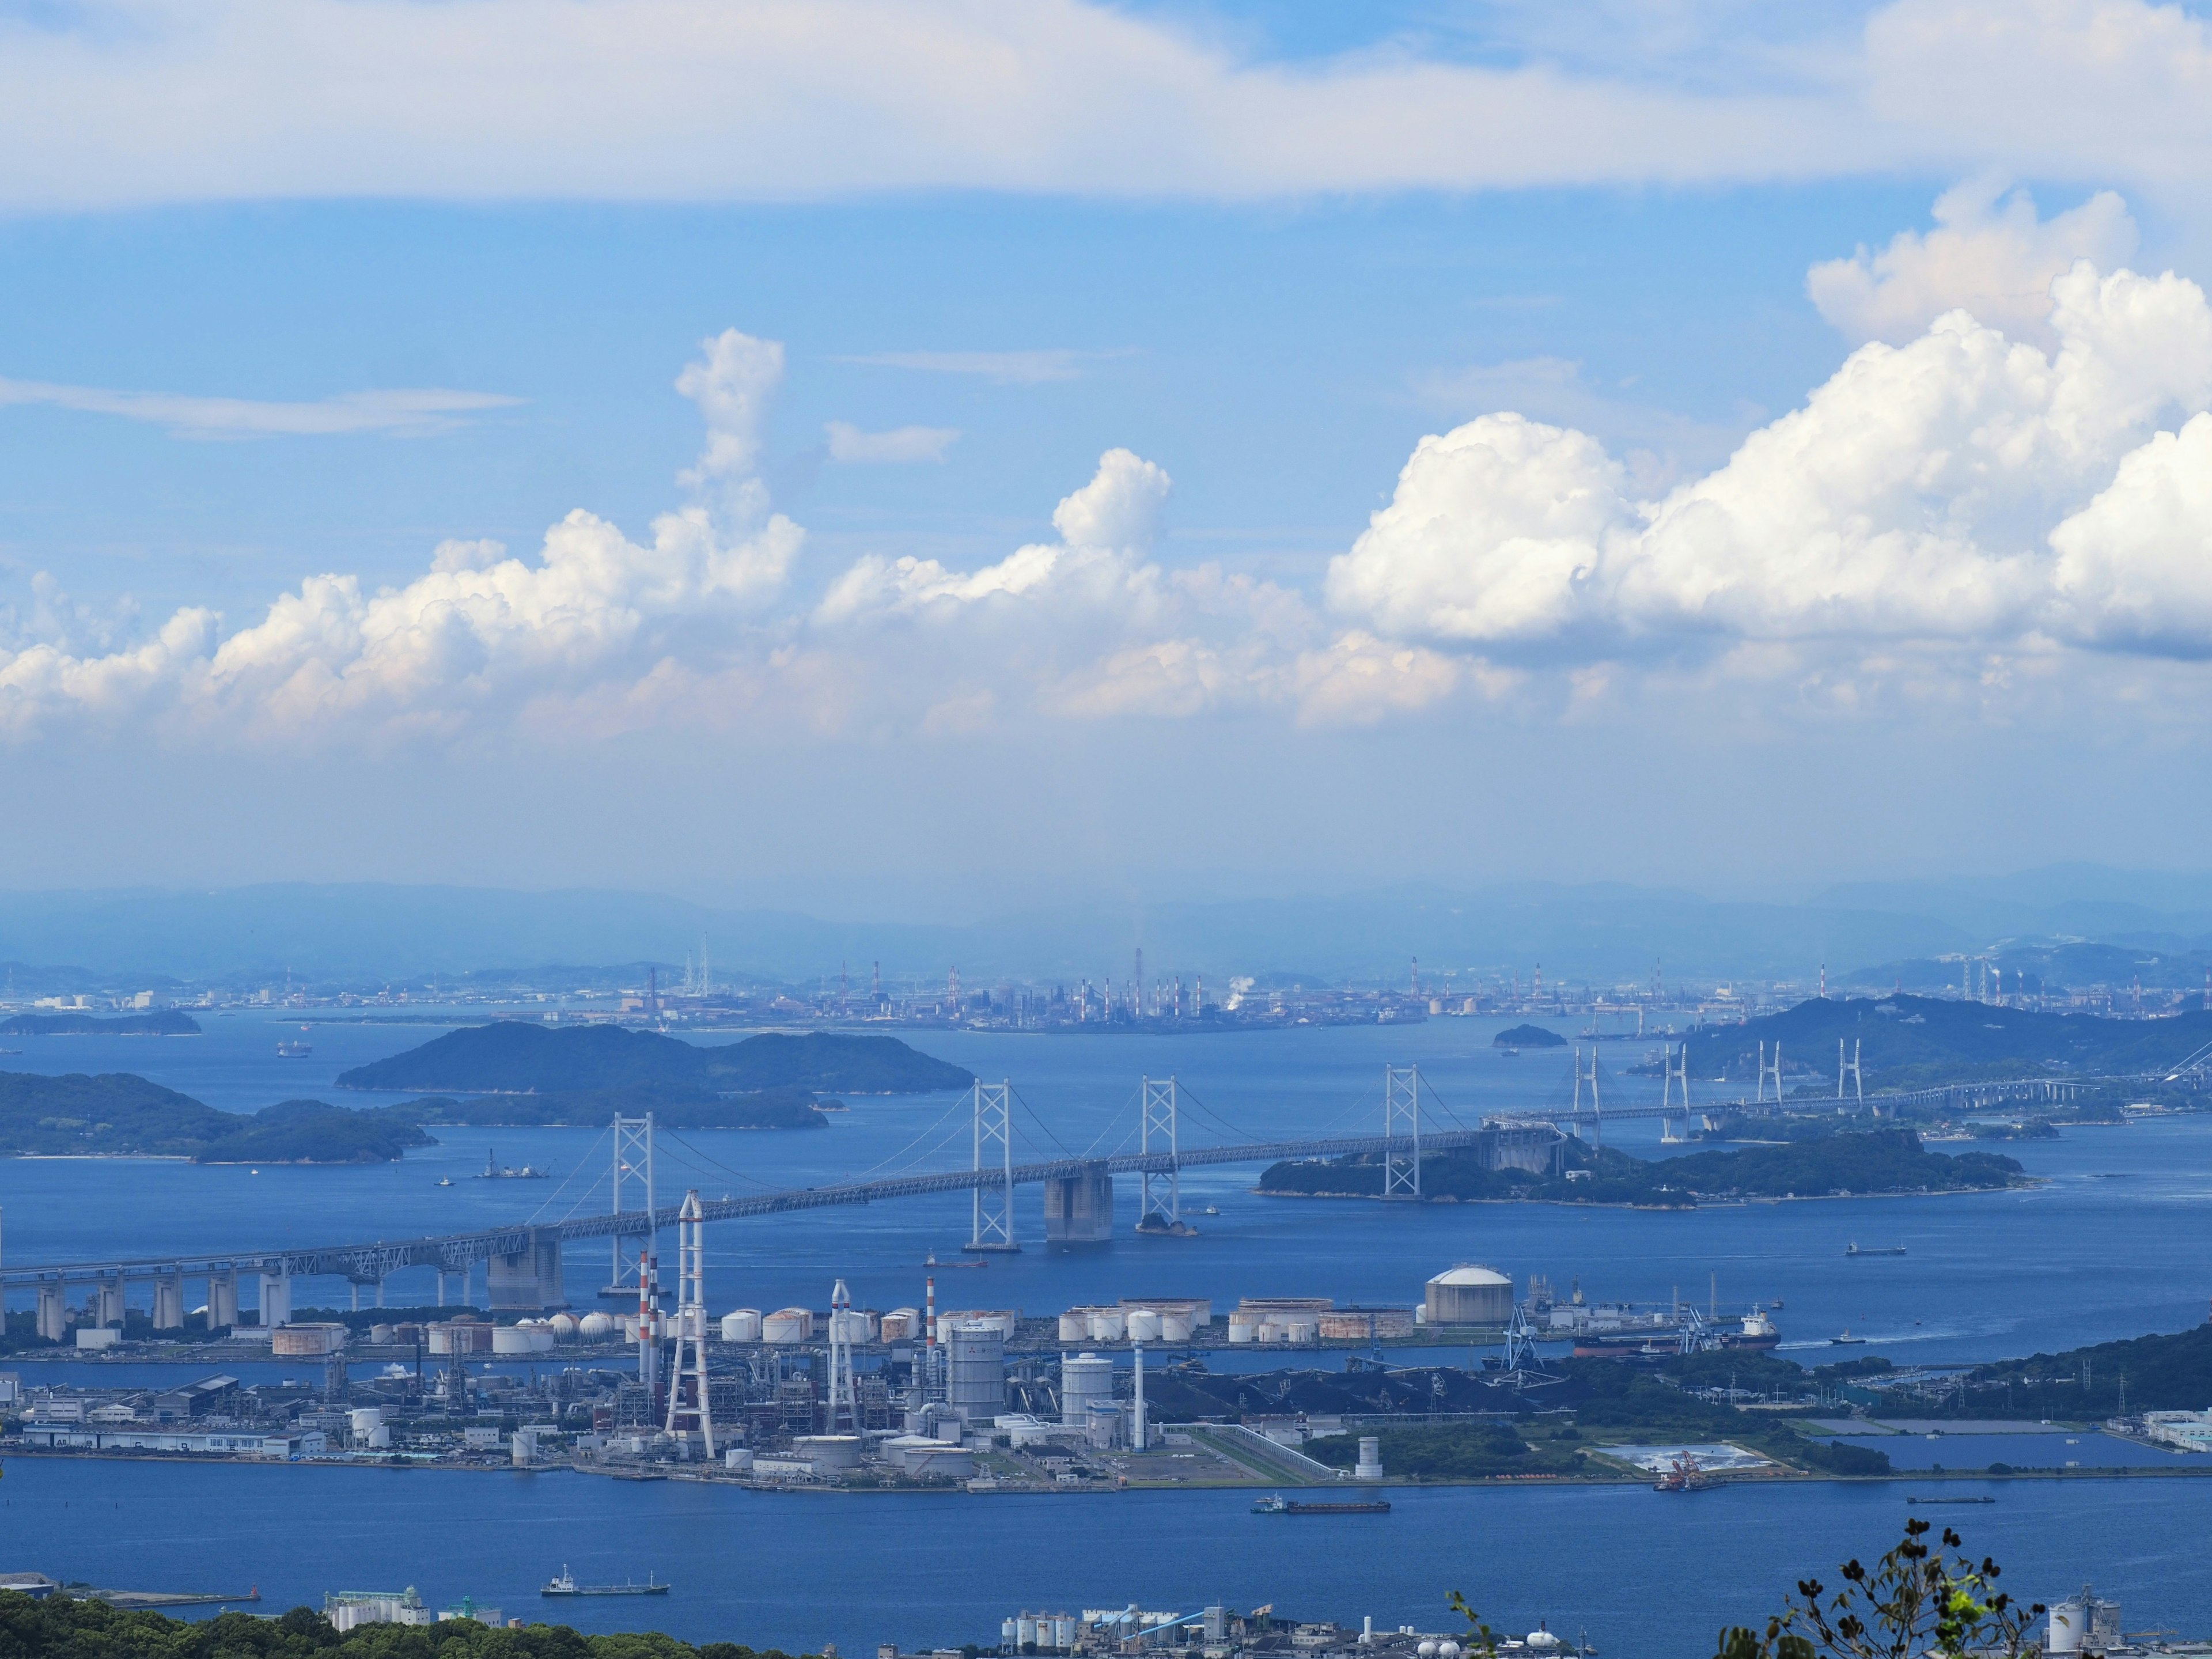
<point x="1229" y="455"/>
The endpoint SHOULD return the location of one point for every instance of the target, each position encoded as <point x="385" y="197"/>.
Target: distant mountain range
<point x="363" y="934"/>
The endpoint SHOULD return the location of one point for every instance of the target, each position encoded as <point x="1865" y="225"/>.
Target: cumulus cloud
<point x="1988" y="254"/>
<point x="1940" y="490"/>
<point x="899" y="446"/>
<point x="399" y="412"/>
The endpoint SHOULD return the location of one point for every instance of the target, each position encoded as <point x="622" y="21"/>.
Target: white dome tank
<point x="564" y="1326"/>
<point x="595" y="1328"/>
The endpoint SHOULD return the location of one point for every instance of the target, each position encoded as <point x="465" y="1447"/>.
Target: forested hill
<point x="119" y="1115"/>
<point x="516" y="1057"/>
<point x="1909" y="1040"/>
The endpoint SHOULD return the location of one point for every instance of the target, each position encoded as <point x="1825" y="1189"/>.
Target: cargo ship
<point x="291" y="1049"/>
<point x="1657" y="1337"/>
<point x="1852" y="1249"/>
<point x="1288" y="1506"/>
<point x="566" y="1585"/>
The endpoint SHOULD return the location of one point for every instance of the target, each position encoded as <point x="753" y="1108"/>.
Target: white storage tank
<point x="511" y="1339"/>
<point x="1107" y="1325"/>
<point x="1302" y="1330"/>
<point x="595" y="1328"/>
<point x="1175" y="1327"/>
<point x="1075" y="1325"/>
<point x="564" y="1326"/>
<point x="975" y="1372"/>
<point x="365" y="1421"/>
<point x="1085" y="1380"/>
<point x="382" y="1334"/>
<point x="851" y="1325"/>
<point x="1063" y="1631"/>
<point x="1144" y="1325"/>
<point x="1243" y="1326"/>
<point x="1469" y="1294"/>
<point x="1271" y="1330"/>
<point x="828" y="1451"/>
<point x="743" y="1325"/>
<point x="739" y="1458"/>
<point x="900" y="1325"/>
<point x="788" y="1325"/>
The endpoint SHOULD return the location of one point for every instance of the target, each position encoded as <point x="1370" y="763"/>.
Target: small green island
<point x="166" y="1021"/>
<point x="1528" y="1037"/>
<point x="119" y="1115"/>
<point x="1862" y="1164"/>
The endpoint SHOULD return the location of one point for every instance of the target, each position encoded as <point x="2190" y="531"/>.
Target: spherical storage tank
<point x="1470" y="1295"/>
<point x="564" y="1326"/>
<point x="595" y="1328"/>
<point x="1085" y="1380"/>
<point x="743" y="1325"/>
<point x="975" y="1378"/>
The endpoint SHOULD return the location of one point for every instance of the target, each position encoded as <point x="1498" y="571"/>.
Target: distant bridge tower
<point x="1402" y="1131"/>
<point x="1137" y="988"/>
<point x="1162" y="1196"/>
<point x="1674" y="1068"/>
<point x="844" y="1399"/>
<point x="1596" y="1106"/>
<point x="691" y="1324"/>
<point x="633" y="1169"/>
<point x="1766" y="1071"/>
<point x="994" y="1228"/>
<point x="1845" y="1068"/>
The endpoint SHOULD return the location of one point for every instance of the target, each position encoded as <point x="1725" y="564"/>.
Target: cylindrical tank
<point x="1470" y="1294"/>
<point x="1107" y="1325"/>
<point x="1370" y="1467"/>
<point x="828" y="1451"/>
<point x="383" y="1333"/>
<point x="1144" y="1325"/>
<point x="564" y="1326"/>
<point x="1301" y="1330"/>
<point x="1007" y="1631"/>
<point x="788" y="1325"/>
<point x="975" y="1376"/>
<point x="743" y="1325"/>
<point x="1085" y="1379"/>
<point x="595" y="1328"/>
<point x="1075" y="1325"/>
<point x="510" y="1338"/>
<point x="1175" y="1327"/>
<point x="850" y="1325"/>
<point x="543" y="1337"/>
<point x="365" y="1421"/>
<point x="899" y="1325"/>
<point x="307" y="1341"/>
<point x="1024" y="1631"/>
<point x="1271" y="1330"/>
<point x="1063" y="1631"/>
<point x="1243" y="1326"/>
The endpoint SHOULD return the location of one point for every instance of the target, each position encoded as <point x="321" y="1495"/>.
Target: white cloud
<point x="1996" y="260"/>
<point x="732" y="382"/>
<point x="900" y="445"/>
<point x="1919" y="495"/>
<point x="1001" y="368"/>
<point x="402" y="413"/>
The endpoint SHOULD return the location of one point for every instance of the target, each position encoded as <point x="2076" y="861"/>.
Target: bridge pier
<point x="222" y="1300"/>
<point x="1078" y="1209"/>
<point x="528" y="1281"/>
<point x="169" y="1302"/>
<point x="111" y="1302"/>
<point x="53" y="1313"/>
<point x="276" y="1300"/>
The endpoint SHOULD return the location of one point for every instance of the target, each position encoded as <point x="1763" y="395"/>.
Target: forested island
<point x="520" y="1057"/>
<point x="1861" y="1164"/>
<point x="1528" y="1037"/>
<point x="167" y="1022"/>
<point x="118" y="1114"/>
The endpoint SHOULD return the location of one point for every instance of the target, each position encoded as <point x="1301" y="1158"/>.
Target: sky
<point x="921" y="459"/>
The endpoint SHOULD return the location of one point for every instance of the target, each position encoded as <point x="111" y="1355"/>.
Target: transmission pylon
<point x="1163" y="1194"/>
<point x="691" y="1324"/>
<point x="994" y="1228"/>
<point x="1845" y="1068"/>
<point x="633" y="1169"/>
<point x="1674" y="1069"/>
<point x="1596" y="1105"/>
<point x="1402" y="1131"/>
<point x="1765" y="1071"/>
<point x="844" y="1399"/>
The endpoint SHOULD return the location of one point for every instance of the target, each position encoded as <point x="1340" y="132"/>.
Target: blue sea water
<point x="2114" y="1244"/>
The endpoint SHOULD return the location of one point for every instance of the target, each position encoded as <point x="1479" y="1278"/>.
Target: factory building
<point x="1469" y="1295"/>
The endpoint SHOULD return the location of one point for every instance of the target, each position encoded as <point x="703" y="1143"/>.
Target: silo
<point x="1243" y="1326"/>
<point x="975" y="1378"/>
<point x="1085" y="1379"/>
<point x="1470" y="1295"/>
<point x="741" y="1326"/>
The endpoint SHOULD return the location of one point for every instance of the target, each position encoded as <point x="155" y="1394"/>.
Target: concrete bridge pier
<point x="169" y="1302"/>
<point x="1078" y="1209"/>
<point x="222" y="1300"/>
<point x="529" y="1280"/>
<point x="111" y="1302"/>
<point x="441" y="1286"/>
<point x="53" y="1313"/>
<point x="276" y="1300"/>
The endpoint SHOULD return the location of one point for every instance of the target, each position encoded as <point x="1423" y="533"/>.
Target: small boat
<point x="1214" y="1209"/>
<point x="1776" y="1304"/>
<point x="1510" y="1053"/>
<point x="1852" y="1249"/>
<point x="443" y="1181"/>
<point x="1278" y="1506"/>
<point x="1950" y="1500"/>
<point x="1847" y="1341"/>
<point x="565" y="1584"/>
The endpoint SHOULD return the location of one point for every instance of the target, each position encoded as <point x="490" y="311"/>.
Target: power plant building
<point x="1470" y="1295"/>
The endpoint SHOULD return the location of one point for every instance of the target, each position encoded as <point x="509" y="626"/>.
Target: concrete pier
<point x="1079" y="1208"/>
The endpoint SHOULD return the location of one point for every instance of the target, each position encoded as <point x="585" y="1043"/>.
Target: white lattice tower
<point x="844" y="1399"/>
<point x="1402" y="1131"/>
<point x="1159" y="1131"/>
<point x="994" y="1228"/>
<point x="633" y="1169"/>
<point x="691" y="1324"/>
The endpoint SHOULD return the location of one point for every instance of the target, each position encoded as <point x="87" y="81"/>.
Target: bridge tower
<point x="691" y="1323"/>
<point x="1845" y="1068"/>
<point x="1765" y="1071"/>
<point x="1163" y="1196"/>
<point x="1596" y="1106"/>
<point x="633" y="1170"/>
<point x="1674" y="1069"/>
<point x="1402" y="1131"/>
<point x="994" y="1228"/>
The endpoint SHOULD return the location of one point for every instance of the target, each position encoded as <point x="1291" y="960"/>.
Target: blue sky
<point x="283" y="312"/>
